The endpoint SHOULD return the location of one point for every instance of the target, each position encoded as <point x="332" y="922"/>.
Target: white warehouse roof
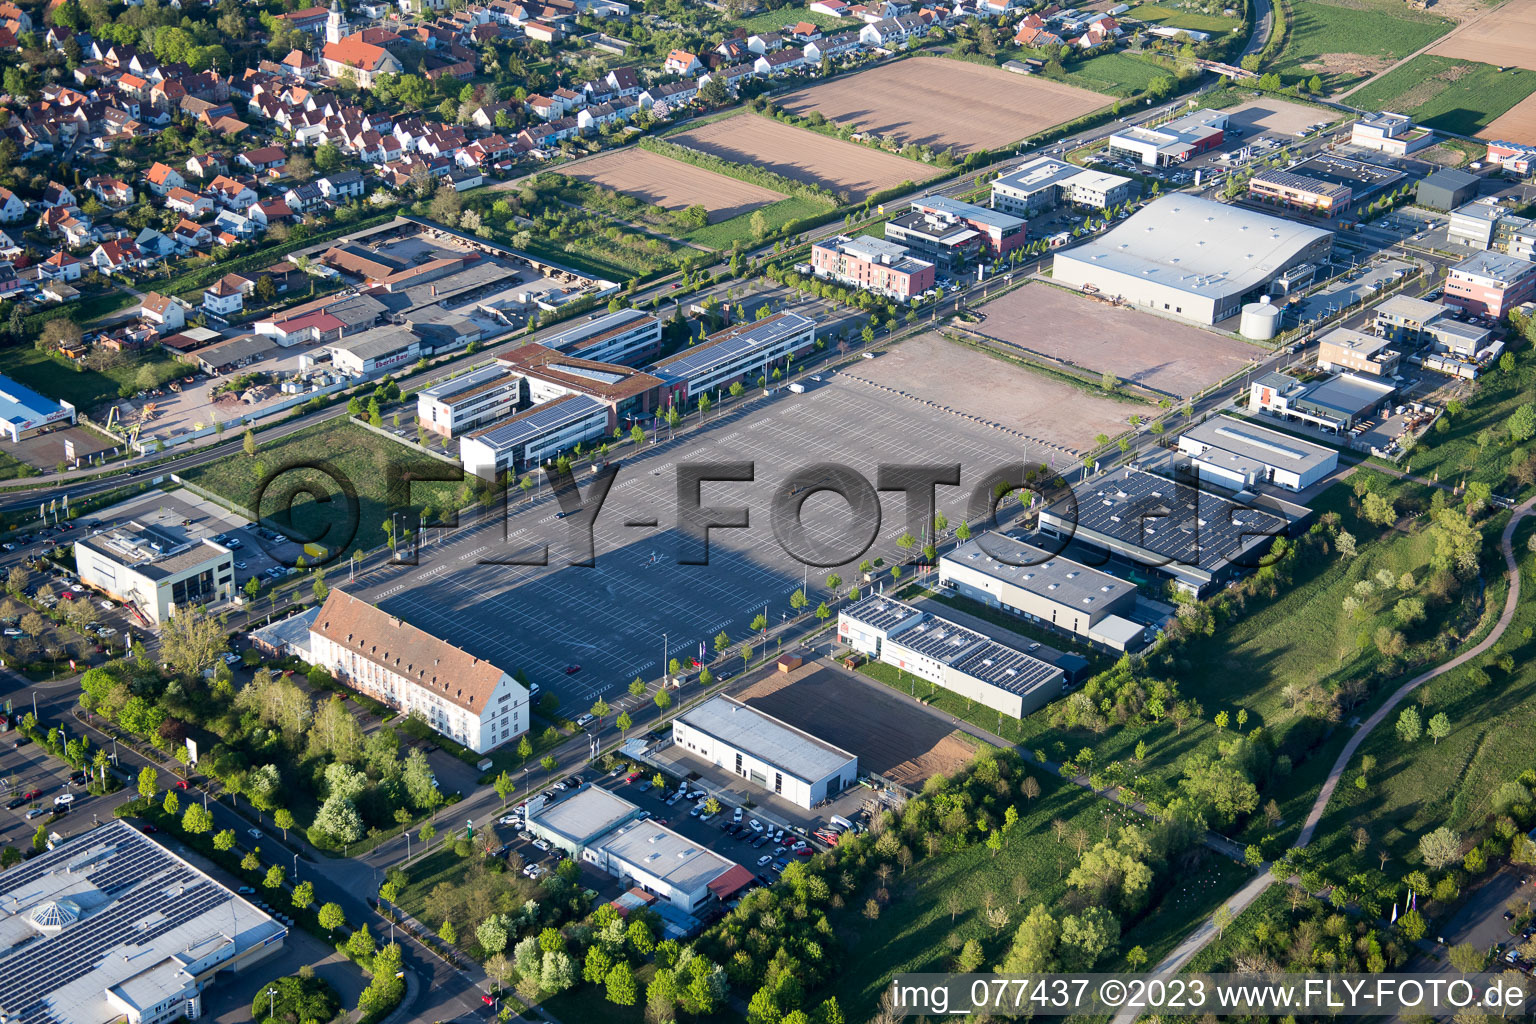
<point x="771" y="741"/>
<point x="1198" y="246"/>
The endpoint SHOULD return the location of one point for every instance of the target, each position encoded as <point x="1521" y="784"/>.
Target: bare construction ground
<point x="889" y="735"/>
<point x="931" y="370"/>
<point x="1274" y="116"/>
<point x="1173" y="358"/>
<point x="803" y="155"/>
<point x="672" y="184"/>
<point x="929" y="101"/>
<point x="1517" y="124"/>
<point x="1505" y="37"/>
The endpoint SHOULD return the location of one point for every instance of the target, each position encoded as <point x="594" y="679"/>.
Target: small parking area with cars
<point x="35" y="786"/>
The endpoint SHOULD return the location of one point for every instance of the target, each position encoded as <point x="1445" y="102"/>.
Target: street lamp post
<point x="272" y="1002"/>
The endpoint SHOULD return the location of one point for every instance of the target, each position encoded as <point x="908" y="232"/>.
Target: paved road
<point x="1206" y="931"/>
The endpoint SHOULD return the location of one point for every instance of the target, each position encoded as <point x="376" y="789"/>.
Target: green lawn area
<point x="84" y="389"/>
<point x="1118" y="74"/>
<point x="362" y="459"/>
<point x="914" y="932"/>
<point x="773" y="21"/>
<point x="722" y="234"/>
<point x="1170" y="15"/>
<point x="1456" y="453"/>
<point x="1415" y="788"/>
<point x="1381" y="31"/>
<point x="1452" y="95"/>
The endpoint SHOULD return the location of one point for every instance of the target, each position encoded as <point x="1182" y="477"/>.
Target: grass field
<point x="1452" y="95"/>
<point x="84" y="389"/>
<point x="310" y="472"/>
<point x="773" y="21"/>
<point x="1116" y="74"/>
<point x="1345" y="43"/>
<point x="1457" y="454"/>
<point x="1167" y="14"/>
<point x="1415" y="788"/>
<point x="776" y="215"/>
<point x="914" y="931"/>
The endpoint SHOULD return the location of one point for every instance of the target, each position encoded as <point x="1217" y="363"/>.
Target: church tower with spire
<point x="336" y="24"/>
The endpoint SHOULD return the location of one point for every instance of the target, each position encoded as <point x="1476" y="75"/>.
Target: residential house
<point x="61" y="266"/>
<point x="226" y="296"/>
<point x="831" y="8"/>
<point x="343" y="186"/>
<point x="267" y="158"/>
<point x="57" y="195"/>
<point x="237" y="226"/>
<point x="832" y="46"/>
<point x="163" y="312"/>
<point x="232" y="194"/>
<point x="188" y="203"/>
<point x="111" y="191"/>
<point x="677" y="94"/>
<point x="623" y="81"/>
<point x="780" y="61"/>
<point x="540" y="32"/>
<point x="765" y="42"/>
<point x="162" y="179"/>
<point x="891" y="32"/>
<point x="154" y="245"/>
<point x="12" y="209"/>
<point x="117" y="256"/>
<point x="304" y="197"/>
<point x="191" y="234"/>
<point x="681" y="62"/>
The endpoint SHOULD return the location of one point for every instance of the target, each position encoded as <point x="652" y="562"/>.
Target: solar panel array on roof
<point x="539" y="420"/>
<point x="729" y="345"/>
<point x="1172" y="520"/>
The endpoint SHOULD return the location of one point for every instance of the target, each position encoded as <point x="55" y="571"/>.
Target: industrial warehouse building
<point x="1043" y="183"/>
<point x="949" y="656"/>
<point x="1196" y="538"/>
<point x="1172" y="142"/>
<point x="1447" y="189"/>
<point x="770" y="754"/>
<point x="158" y="570"/>
<point x="1031" y="582"/>
<point x="111" y="927"/>
<point x="1194" y="259"/>
<point x="739" y="353"/>
<point x="466" y="698"/>
<point x="1336" y="403"/>
<point x="615" y="836"/>
<point x="1237" y="454"/>
<point x="23" y="411"/>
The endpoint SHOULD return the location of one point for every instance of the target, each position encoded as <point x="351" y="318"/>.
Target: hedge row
<point x="741" y="172"/>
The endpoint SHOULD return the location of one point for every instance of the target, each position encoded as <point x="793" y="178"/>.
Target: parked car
<point x="508" y="819"/>
<point x="737" y="816"/>
<point x="584" y="721"/>
<point x="755" y="825"/>
<point x="17" y="802"/>
<point x="764" y="859"/>
<point x="541" y="844"/>
<point x="63" y="799"/>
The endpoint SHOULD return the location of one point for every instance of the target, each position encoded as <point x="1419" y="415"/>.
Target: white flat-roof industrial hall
<point x="768" y="753"/>
<point x="1193" y="258"/>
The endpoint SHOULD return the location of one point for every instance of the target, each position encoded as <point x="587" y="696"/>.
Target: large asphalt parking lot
<point x="611" y="618"/>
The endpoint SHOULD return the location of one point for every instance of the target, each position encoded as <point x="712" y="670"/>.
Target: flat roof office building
<point x="533" y="435"/>
<point x="1344" y="349"/>
<point x="159" y="570"/>
<point x="770" y="754"/>
<point x="949" y="656"/>
<point x="1043" y="183"/>
<point x="477" y="398"/>
<point x="1031" y="582"/>
<point x="615" y="836"/>
<point x="743" y="352"/>
<point x="580" y="820"/>
<point x="879" y="265"/>
<point x="1195" y="537"/>
<point x="111" y="926"/>
<point x="1237" y="454"/>
<point x="1192" y="258"/>
<point x="627" y="336"/>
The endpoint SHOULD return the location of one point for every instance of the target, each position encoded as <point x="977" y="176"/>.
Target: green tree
<point x="1439" y="727"/>
<point x="303" y="895"/>
<point x="149" y="783"/>
<point x="331" y="917"/>
<point x="621" y="987"/>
